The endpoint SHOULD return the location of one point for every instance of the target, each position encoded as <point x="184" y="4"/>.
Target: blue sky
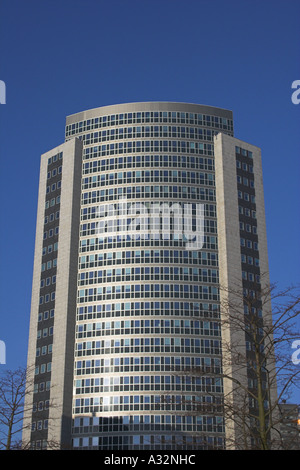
<point x="62" y="57"/>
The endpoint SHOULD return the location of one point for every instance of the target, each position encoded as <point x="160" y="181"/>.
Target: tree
<point x="14" y="387"/>
<point x="259" y="328"/>
<point x="12" y="394"/>
<point x="263" y="327"/>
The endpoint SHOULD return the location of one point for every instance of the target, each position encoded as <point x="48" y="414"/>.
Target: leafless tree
<point x="257" y="362"/>
<point x="259" y="329"/>
<point x="14" y="387"/>
<point x="12" y="394"/>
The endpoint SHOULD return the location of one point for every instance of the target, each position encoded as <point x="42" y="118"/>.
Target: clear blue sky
<point x="59" y="57"/>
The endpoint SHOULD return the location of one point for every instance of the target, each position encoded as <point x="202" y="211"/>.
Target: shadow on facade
<point x="133" y="433"/>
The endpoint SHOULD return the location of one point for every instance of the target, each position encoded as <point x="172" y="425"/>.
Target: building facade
<point x="144" y="213"/>
<point x="290" y="426"/>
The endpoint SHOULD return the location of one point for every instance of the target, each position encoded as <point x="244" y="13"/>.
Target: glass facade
<point x="148" y="306"/>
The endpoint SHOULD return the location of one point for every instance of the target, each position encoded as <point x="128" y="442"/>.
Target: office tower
<point x="144" y="212"/>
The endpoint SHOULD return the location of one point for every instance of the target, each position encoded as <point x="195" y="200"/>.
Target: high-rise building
<point x="143" y="213"/>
